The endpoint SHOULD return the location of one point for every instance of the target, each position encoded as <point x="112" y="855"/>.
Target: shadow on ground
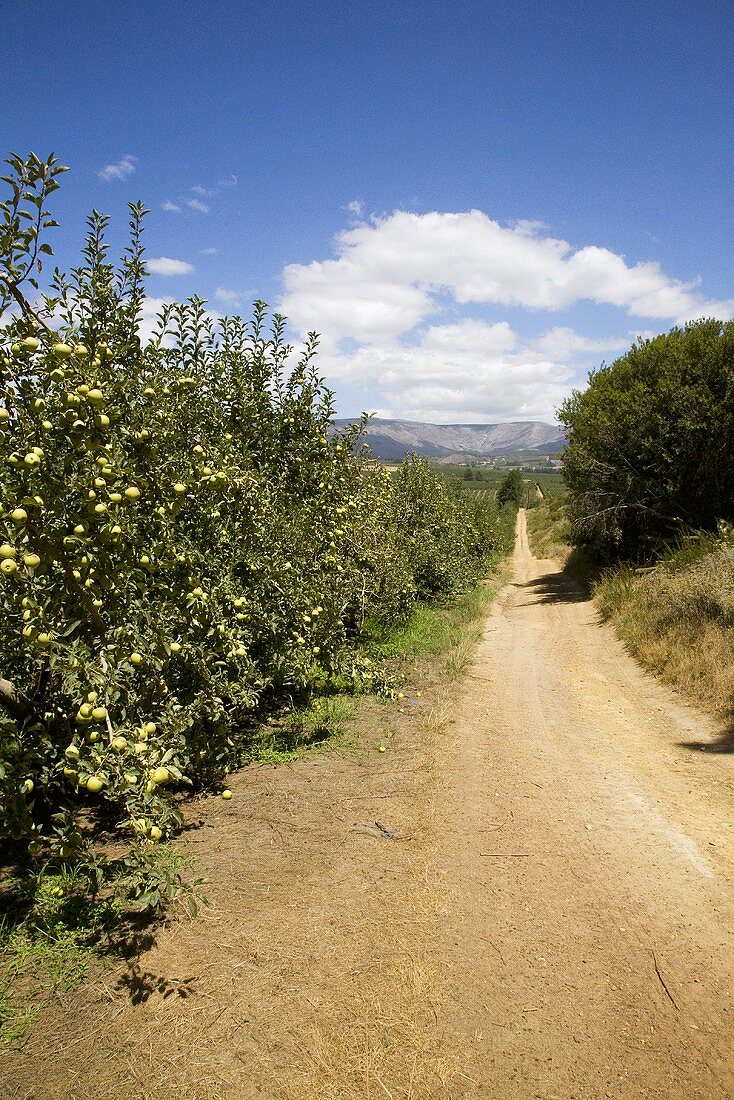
<point x="723" y="744"/>
<point x="556" y="587"/>
<point x="142" y="984"/>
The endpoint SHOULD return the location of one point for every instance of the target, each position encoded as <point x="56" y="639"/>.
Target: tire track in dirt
<point x="554" y="921"/>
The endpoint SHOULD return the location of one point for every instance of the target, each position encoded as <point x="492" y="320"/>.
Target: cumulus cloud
<point x="564" y="343"/>
<point x="469" y="371"/>
<point x="149" y="316"/>
<point x="390" y="273"/>
<point x="387" y="307"/>
<point x="164" y="265"/>
<point x="227" y="297"/>
<point x="119" y="170"/>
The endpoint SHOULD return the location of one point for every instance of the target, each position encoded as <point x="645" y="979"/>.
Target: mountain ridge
<point x="391" y="439"/>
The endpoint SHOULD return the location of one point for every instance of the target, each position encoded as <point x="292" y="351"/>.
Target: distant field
<point x="483" y="481"/>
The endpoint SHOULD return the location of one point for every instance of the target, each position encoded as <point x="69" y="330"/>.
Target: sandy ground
<point x="551" y="919"/>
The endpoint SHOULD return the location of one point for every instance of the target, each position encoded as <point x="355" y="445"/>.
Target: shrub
<point x="651" y="442"/>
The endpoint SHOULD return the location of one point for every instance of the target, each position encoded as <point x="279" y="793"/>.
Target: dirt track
<point x="553" y="920"/>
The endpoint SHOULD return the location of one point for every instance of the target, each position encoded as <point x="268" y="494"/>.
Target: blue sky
<point x="474" y="203"/>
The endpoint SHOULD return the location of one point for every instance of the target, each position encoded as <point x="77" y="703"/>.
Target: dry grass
<point x="549" y="531"/>
<point x="679" y="620"/>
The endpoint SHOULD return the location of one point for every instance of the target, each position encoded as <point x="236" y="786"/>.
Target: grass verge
<point x="549" y="530"/>
<point x="52" y="931"/>
<point x="49" y="934"/>
<point x="678" y="620"/>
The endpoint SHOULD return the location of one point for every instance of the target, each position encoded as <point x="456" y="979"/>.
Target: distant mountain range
<point x="391" y="439"/>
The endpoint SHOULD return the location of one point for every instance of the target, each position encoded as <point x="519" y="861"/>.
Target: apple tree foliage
<point x="183" y="537"/>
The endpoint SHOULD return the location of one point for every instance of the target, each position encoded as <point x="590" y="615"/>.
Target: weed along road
<point x="544" y="911"/>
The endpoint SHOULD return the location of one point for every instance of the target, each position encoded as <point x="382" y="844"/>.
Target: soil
<point x="545" y="909"/>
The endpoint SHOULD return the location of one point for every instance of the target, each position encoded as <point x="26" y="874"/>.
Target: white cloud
<point x="149" y="316"/>
<point x="171" y="207"/>
<point x="208" y="251"/>
<point x="227" y="297"/>
<point x="356" y="207"/>
<point x="393" y="305"/>
<point x="203" y="192"/>
<point x="469" y="371"/>
<point x="163" y="265"/>
<point x="196" y="204"/>
<point x="389" y="274"/>
<point x="119" y="170"/>
<point x="472" y="371"/>
<point x="564" y="343"/>
<point x="230" y="181"/>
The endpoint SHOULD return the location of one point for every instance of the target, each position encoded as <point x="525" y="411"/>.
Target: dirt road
<point x="552" y="918"/>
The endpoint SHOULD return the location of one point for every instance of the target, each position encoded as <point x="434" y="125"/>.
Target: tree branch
<point x="14" y="702"/>
<point x="26" y="306"/>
